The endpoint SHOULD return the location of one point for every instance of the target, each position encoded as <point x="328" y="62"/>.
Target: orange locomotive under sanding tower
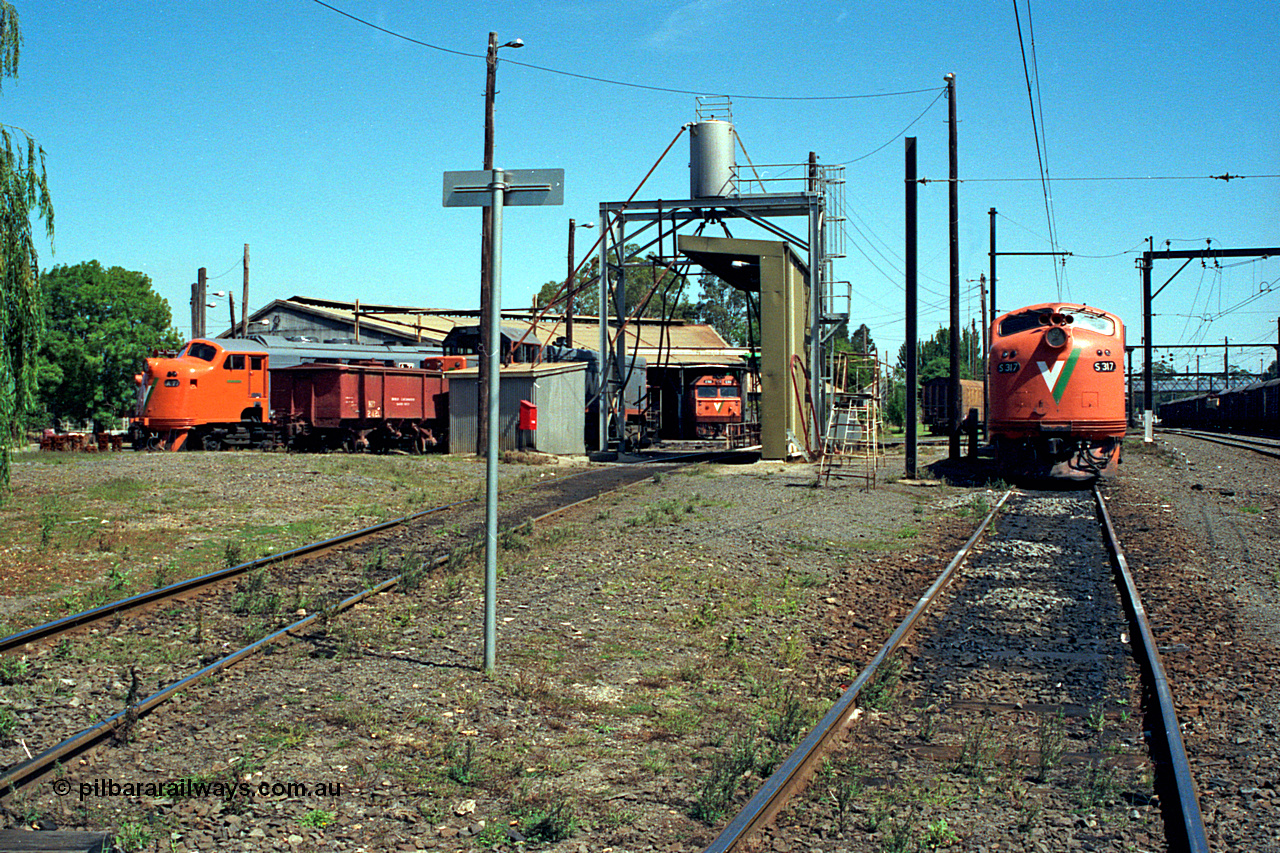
<point x="1057" y="391"/>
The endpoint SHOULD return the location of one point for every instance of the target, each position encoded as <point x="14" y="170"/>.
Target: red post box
<point x="528" y="415"/>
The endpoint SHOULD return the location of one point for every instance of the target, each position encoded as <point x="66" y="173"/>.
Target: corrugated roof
<point x="678" y="342"/>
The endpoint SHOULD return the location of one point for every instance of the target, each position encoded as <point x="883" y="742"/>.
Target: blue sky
<point x="178" y="132"/>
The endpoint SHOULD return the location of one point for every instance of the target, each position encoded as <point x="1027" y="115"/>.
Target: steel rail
<point x="20" y="775"/>
<point x="792" y="775"/>
<point x="1238" y="442"/>
<point x="66" y="623"/>
<point x="1188" y="805"/>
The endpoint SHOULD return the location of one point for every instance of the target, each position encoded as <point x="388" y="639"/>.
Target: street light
<point x="486" y="235"/>
<point x="231" y="306"/>
<point x="570" y="284"/>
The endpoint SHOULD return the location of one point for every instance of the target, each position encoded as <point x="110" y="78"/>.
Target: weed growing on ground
<point x="1096" y="719"/>
<point x="844" y="784"/>
<point x="978" y="750"/>
<point x="254" y="598"/>
<point x="8" y="725"/>
<point x="723" y="777"/>
<point x="554" y="822"/>
<point x="317" y="818"/>
<point x="1051" y="740"/>
<point x="880" y="694"/>
<point x="784" y="724"/>
<point x="133" y="836"/>
<point x="125" y="730"/>
<point x="938" y="834"/>
<point x="516" y="538"/>
<point x="900" y="832"/>
<point x="1099" y="786"/>
<point x="462" y="762"/>
<point x="654" y="762"/>
<point x="14" y="670"/>
<point x="929" y="722"/>
<point x="412" y="571"/>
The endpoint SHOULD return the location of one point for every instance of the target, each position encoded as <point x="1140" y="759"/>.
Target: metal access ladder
<point x="852" y="447"/>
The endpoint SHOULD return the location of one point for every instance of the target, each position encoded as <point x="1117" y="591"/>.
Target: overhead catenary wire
<point x="1041" y="156"/>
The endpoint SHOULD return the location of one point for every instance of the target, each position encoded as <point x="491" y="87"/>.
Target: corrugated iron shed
<point x="557" y="391"/>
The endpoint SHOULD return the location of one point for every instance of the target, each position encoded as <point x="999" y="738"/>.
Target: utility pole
<point x="202" y="294"/>
<point x="954" y="204"/>
<point x="244" y="303"/>
<point x="568" y="287"/>
<point x="909" y="256"/>
<point x="986" y="351"/>
<point x="486" y="249"/>
<point x="486" y="240"/>
<point x="992" y="214"/>
<point x="1144" y="264"/>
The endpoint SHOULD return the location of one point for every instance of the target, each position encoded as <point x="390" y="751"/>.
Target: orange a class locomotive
<point x="1057" y="391"/>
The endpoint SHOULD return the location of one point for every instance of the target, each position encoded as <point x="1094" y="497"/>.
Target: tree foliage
<point x="933" y="355"/>
<point x="658" y="289"/>
<point x="24" y="193"/>
<point x="727" y="309"/>
<point x="101" y="324"/>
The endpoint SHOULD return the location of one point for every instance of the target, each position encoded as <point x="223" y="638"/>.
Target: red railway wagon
<point x="320" y="406"/>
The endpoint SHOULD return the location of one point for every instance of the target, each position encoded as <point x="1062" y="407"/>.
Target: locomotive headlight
<point x="1055" y="337"/>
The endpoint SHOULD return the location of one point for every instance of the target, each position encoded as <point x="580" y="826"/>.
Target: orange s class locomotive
<point x="1057" y="391"/>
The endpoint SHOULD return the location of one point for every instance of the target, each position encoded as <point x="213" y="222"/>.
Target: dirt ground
<point x="638" y="639"/>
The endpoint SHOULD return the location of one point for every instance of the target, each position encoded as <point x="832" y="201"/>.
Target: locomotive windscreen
<point x="1025" y="320"/>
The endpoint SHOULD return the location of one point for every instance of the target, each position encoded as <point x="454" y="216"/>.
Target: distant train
<point x="1255" y="408"/>
<point x="934" y="412"/>
<point x="1057" y="391"/>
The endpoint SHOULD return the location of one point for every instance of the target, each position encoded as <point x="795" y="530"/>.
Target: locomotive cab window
<point x="708" y="391"/>
<point x="1026" y="320"/>
<point x="1015" y="323"/>
<point x="1094" y="323"/>
<point x="202" y="351"/>
<point x="233" y="361"/>
<point x="728" y="390"/>
<point x="255" y="362"/>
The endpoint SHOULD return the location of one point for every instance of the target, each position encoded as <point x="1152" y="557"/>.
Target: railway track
<point x="1262" y="445"/>
<point x="191" y="630"/>
<point x="1021" y="699"/>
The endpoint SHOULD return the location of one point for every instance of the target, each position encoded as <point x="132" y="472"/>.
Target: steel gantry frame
<point x="660" y="221"/>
